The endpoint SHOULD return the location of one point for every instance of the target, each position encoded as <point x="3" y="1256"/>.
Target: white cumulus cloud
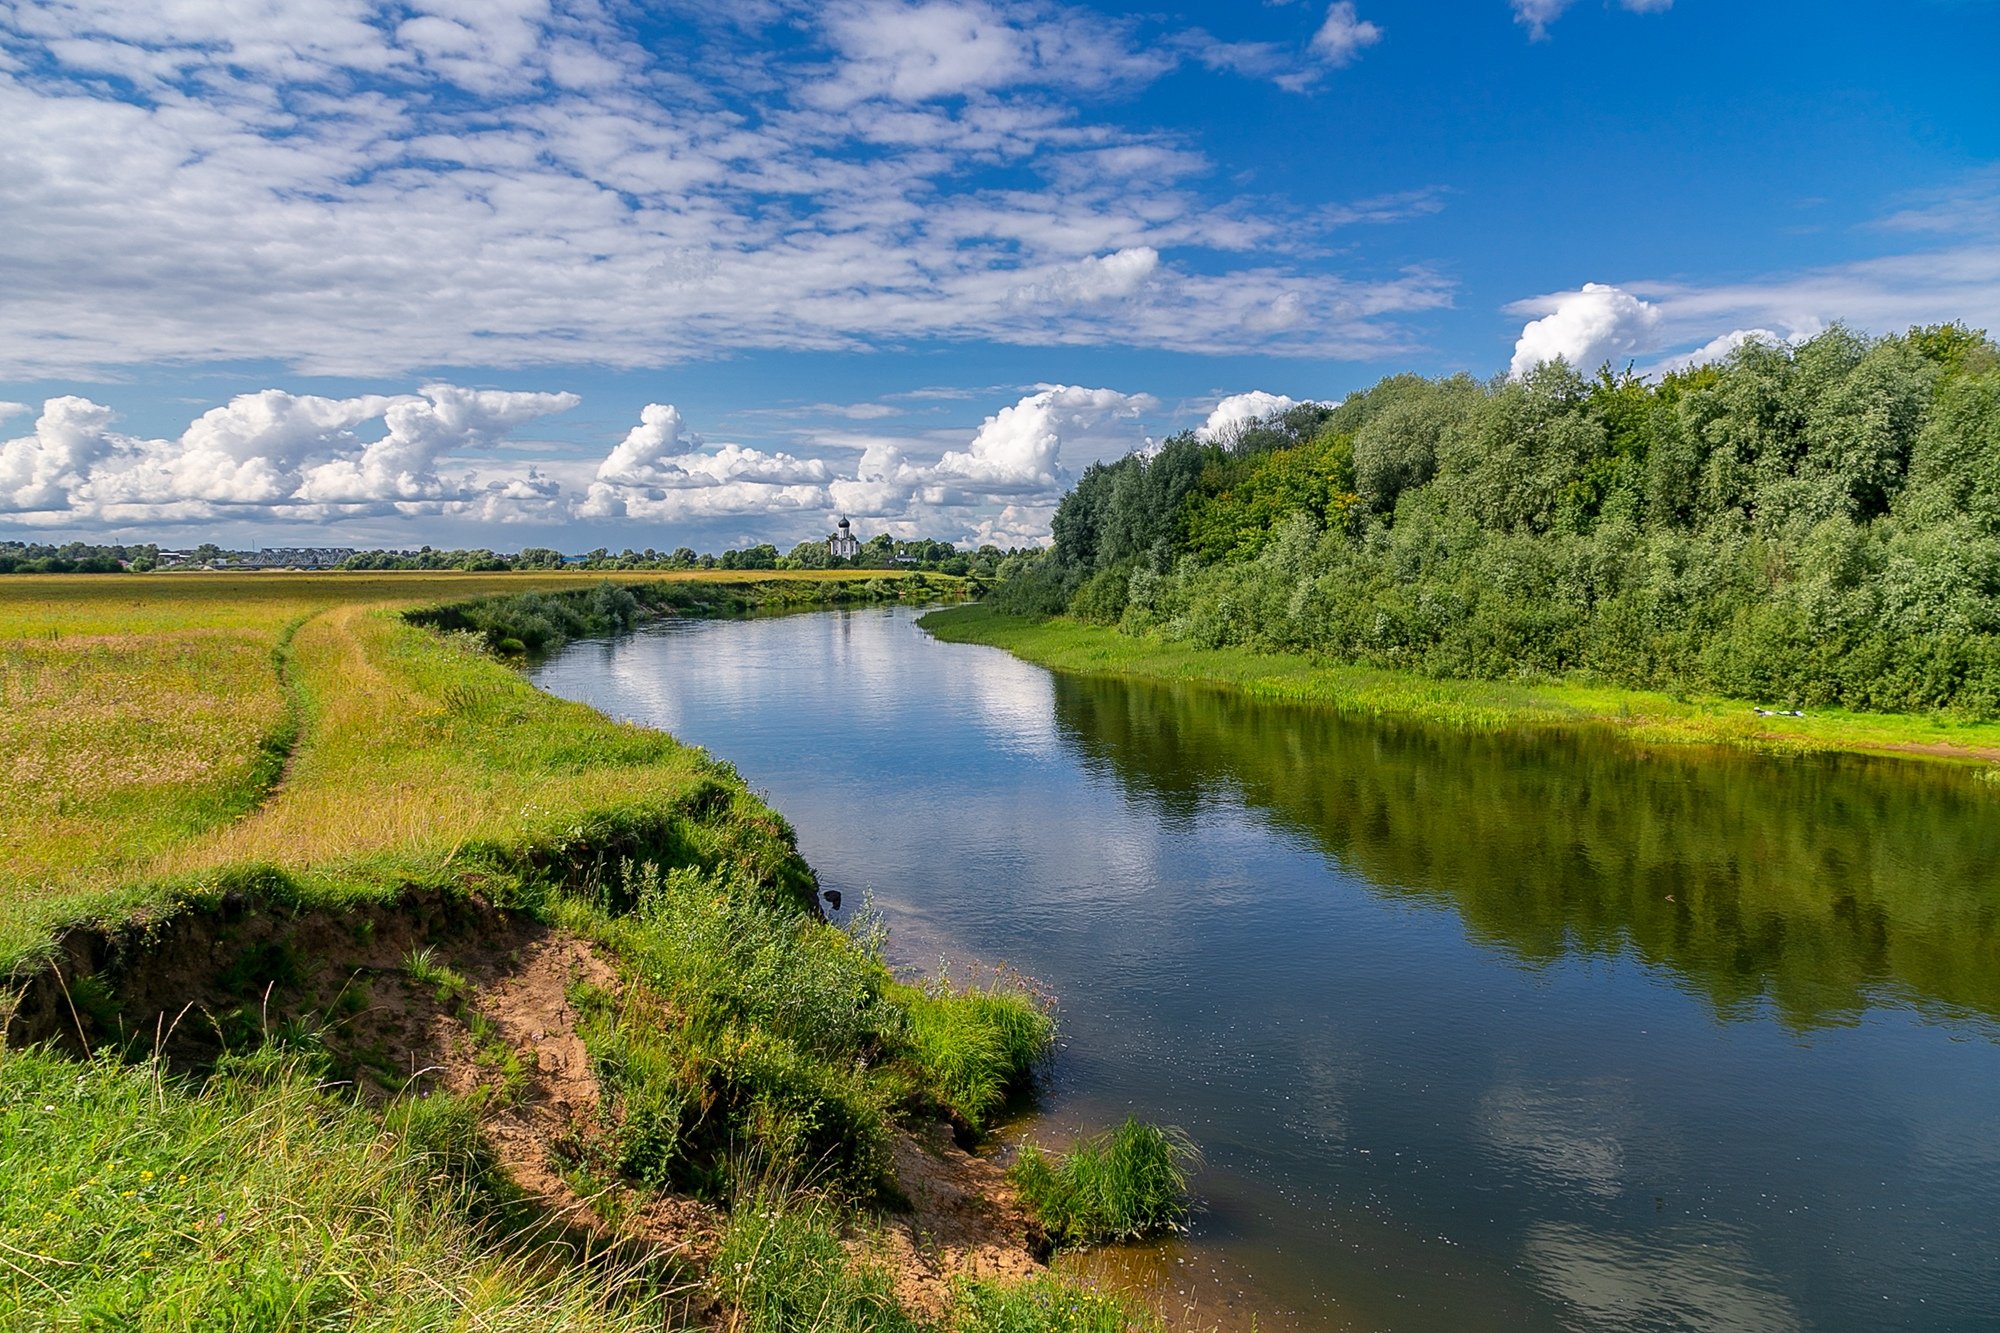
<point x="1018" y="449"/>
<point x="1238" y="410"/>
<point x="269" y="454"/>
<point x="402" y="465"/>
<point x="1585" y="328"/>
<point x="1344" y="35"/>
<point x="43" y="471"/>
<point x="1720" y="348"/>
<point x="663" y="471"/>
<point x="252" y="450"/>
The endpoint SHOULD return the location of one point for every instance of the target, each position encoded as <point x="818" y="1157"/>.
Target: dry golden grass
<point x="141" y="719"/>
<point x="417" y="745"/>
<point x="134" y="712"/>
<point x="113" y="745"/>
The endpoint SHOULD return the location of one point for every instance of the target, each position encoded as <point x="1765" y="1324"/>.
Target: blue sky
<point x="586" y="272"/>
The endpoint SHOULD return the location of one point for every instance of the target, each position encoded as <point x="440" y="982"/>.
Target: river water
<point x="1496" y="1032"/>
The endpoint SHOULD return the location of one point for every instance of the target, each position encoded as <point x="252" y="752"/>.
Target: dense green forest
<point x="1811" y="525"/>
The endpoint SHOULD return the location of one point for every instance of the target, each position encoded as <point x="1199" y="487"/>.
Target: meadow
<point x="282" y="856"/>
<point x="147" y="724"/>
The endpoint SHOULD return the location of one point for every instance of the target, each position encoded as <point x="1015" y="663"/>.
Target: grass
<point x="758" y="1033"/>
<point x="781" y="1268"/>
<point x="144" y="721"/>
<point x="1044" y="1304"/>
<point x="1128" y="1183"/>
<point x="447" y="987"/>
<point x="298" y="743"/>
<point x="974" y="1047"/>
<point x="1481" y="705"/>
<point x="130" y="1198"/>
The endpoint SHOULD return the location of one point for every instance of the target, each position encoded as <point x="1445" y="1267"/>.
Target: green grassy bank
<point x="357" y="983"/>
<point x="1066" y="644"/>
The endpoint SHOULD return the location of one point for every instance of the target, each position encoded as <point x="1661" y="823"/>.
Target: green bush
<point x="1129" y="1183"/>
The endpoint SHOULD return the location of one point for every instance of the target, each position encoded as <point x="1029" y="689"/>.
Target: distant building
<point x="298" y="557"/>
<point x="843" y="544"/>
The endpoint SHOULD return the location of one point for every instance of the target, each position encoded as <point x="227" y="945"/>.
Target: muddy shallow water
<point x="1474" y="1032"/>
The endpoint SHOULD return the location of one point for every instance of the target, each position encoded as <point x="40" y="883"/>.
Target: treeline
<point x="927" y="555"/>
<point x="879" y="552"/>
<point x="541" y="622"/>
<point x="75" y="558"/>
<point x="1813" y="525"/>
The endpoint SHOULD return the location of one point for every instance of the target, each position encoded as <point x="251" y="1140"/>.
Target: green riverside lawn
<point x="1066" y="644"/>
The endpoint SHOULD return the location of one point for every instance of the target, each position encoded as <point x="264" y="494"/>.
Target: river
<point x="1474" y="1032"/>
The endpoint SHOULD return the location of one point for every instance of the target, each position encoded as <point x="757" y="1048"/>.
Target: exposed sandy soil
<point x="964" y="1221"/>
<point x="963" y="1218"/>
<point x="194" y="986"/>
<point x="526" y="998"/>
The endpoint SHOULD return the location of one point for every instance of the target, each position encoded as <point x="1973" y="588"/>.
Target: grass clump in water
<point x="973" y="1048"/>
<point x="1043" y="1304"/>
<point x="1129" y="1183"/>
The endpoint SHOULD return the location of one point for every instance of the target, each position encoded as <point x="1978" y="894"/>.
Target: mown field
<point x="142" y="719"/>
<point x="356" y="838"/>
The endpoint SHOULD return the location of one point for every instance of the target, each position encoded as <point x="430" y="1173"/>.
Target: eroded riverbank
<point x="492" y="1005"/>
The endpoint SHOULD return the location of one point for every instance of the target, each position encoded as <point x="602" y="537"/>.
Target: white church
<point x="843" y="544"/>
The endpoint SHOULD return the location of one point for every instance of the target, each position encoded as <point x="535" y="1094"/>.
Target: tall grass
<point x="1129" y="1183"/>
<point x="757" y="1030"/>
<point x="132" y="1199"/>
<point x="781" y="1268"/>
<point x="974" y="1047"/>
